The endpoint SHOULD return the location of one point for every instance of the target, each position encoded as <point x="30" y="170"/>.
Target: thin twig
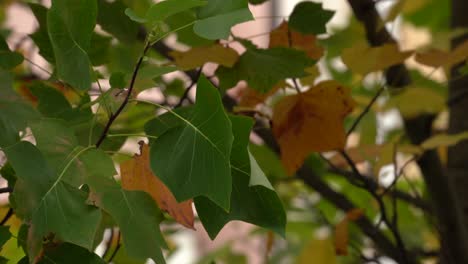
<point x="114" y="116"/>
<point x="365" y="111"/>
<point x="187" y="90"/>
<point x="6" y="190"/>
<point x="6" y="217"/>
<point x="116" y="249"/>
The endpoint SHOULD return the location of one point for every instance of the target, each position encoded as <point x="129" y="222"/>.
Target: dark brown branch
<point x="114" y="116"/>
<point x="187" y="90"/>
<point x="6" y="190"/>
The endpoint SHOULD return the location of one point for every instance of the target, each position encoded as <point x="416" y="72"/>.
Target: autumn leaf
<point x="362" y="59"/>
<point x="251" y="97"/>
<point x="318" y="251"/>
<point x="342" y="232"/>
<point x="438" y="58"/>
<point x="311" y="121"/>
<point x="283" y="36"/>
<point x="137" y="176"/>
<point x="198" y="56"/>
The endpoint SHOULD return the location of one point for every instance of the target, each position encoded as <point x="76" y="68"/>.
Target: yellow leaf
<point x="318" y="251"/>
<point x="415" y="101"/>
<point x="342" y="232"/>
<point x="362" y="59"/>
<point x="198" y="56"/>
<point x="443" y="140"/>
<point x="311" y="121"/>
<point x="137" y="176"/>
<point x="313" y="73"/>
<point x="438" y="58"/>
<point x="283" y="36"/>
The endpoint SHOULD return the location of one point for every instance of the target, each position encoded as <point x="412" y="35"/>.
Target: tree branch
<point x="449" y="214"/>
<point x="114" y="116"/>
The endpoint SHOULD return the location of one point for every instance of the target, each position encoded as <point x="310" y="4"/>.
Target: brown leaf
<point x="283" y="36"/>
<point x="251" y="98"/>
<point x="198" y="56"/>
<point x="362" y="59"/>
<point x="137" y="176"/>
<point x="311" y="121"/>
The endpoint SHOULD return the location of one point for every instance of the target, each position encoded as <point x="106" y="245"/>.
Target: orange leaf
<point x="311" y="121"/>
<point x="283" y="36"/>
<point x="137" y="176"/>
<point x="251" y="98"/>
<point x="341" y="231"/>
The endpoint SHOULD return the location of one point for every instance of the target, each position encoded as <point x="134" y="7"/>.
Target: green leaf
<point x="70" y="254"/>
<point x="71" y="24"/>
<point x="218" y="16"/>
<point x="191" y="153"/>
<point x="14" y="114"/>
<point x="117" y="80"/>
<point x="134" y="16"/>
<point x="186" y="35"/>
<point x="8" y="59"/>
<point x="153" y="71"/>
<point x="309" y="18"/>
<point x="253" y="199"/>
<point x="264" y="68"/>
<point x="51" y="103"/>
<point x="41" y="36"/>
<point x="112" y="19"/>
<point x="48" y="202"/>
<point x="135" y="213"/>
<point x="99" y="49"/>
<point x="162" y="10"/>
<point x="5" y="235"/>
<point x="257" y="2"/>
<point x="268" y="162"/>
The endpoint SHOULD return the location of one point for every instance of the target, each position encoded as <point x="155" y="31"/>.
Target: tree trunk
<point x="457" y="165"/>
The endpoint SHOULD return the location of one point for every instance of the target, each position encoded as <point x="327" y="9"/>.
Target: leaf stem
<point x="131" y="135"/>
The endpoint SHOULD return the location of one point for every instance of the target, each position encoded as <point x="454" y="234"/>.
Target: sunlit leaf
<point x="137" y="176"/>
<point x="311" y="121"/>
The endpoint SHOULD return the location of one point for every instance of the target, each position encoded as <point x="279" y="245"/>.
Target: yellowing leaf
<point x="251" y="97"/>
<point x="137" y="176"/>
<point x="198" y="56"/>
<point x="438" y="58"/>
<point x="443" y="140"/>
<point x="362" y="59"/>
<point x="311" y="121"/>
<point x="318" y="251"/>
<point x="342" y="232"/>
<point x="283" y="36"/>
<point x="415" y="100"/>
